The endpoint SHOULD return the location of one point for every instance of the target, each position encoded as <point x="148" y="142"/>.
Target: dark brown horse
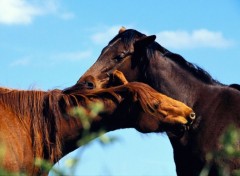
<point x="37" y="123"/>
<point x="142" y="59"/>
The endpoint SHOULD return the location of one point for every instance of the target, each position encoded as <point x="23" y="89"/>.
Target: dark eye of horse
<point x="120" y="57"/>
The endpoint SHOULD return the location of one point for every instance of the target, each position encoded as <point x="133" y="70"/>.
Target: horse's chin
<point x="173" y="131"/>
<point x="177" y="131"/>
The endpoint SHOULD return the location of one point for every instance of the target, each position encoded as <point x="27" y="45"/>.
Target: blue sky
<point x="47" y="44"/>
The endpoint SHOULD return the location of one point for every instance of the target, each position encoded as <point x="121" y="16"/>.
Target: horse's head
<point x="119" y="54"/>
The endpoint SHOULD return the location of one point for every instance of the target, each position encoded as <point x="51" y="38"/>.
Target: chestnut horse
<point x="38" y="124"/>
<point x="142" y="59"/>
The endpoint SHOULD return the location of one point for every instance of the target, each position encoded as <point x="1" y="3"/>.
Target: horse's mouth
<point x="79" y="88"/>
<point x="176" y="130"/>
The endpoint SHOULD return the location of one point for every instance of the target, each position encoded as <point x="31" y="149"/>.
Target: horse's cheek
<point x="147" y="123"/>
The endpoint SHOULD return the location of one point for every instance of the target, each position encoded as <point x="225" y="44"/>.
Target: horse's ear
<point x="144" y="41"/>
<point x="139" y="49"/>
<point x="122" y="29"/>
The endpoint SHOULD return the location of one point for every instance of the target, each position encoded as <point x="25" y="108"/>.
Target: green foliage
<point x="2" y="152"/>
<point x="46" y="166"/>
<point x="86" y="115"/>
<point x="2" y="170"/>
<point x="230" y="150"/>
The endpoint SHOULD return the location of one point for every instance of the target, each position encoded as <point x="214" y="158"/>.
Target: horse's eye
<point x="119" y="57"/>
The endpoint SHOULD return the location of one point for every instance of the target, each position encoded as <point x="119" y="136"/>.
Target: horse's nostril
<point x="192" y="115"/>
<point x="87" y="82"/>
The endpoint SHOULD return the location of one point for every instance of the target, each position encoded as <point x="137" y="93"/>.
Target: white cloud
<point x="20" y="62"/>
<point x="24" y="11"/>
<point x="67" y="16"/>
<point x="106" y="34"/>
<point x="50" y="59"/>
<point x="17" y="11"/>
<point x="72" y="56"/>
<point x="194" y="39"/>
<point x="173" y="39"/>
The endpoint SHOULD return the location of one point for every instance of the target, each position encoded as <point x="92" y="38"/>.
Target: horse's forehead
<point x="116" y="45"/>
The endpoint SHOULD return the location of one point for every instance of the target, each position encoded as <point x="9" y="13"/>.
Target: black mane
<point x="235" y="86"/>
<point x="130" y="36"/>
<point x="192" y="68"/>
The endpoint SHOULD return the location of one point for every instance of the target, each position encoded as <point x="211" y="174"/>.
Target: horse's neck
<point x="215" y="105"/>
<point x="201" y="97"/>
<point x="214" y="115"/>
<point x="204" y="97"/>
<point x="22" y="103"/>
<point x="41" y="115"/>
<point x="173" y="81"/>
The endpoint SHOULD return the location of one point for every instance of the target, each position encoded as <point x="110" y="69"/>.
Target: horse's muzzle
<point x="79" y="87"/>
